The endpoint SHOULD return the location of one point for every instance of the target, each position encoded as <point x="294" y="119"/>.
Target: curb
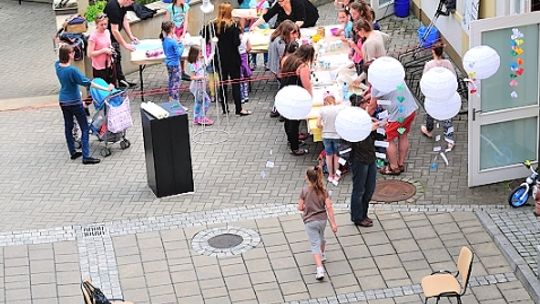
<point x="517" y="263"/>
<point x="28" y="103"/>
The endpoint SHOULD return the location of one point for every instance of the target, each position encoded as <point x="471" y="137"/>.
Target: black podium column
<point x="168" y="153"/>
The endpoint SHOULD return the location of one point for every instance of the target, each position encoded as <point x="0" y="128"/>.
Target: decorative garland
<point x="516" y="67"/>
<point x="401" y="108"/>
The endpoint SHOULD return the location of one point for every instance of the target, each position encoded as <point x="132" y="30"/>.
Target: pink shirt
<point x="357" y="56"/>
<point x="101" y="41"/>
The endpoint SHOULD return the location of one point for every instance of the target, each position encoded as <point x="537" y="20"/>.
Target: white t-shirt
<point x="242" y="48"/>
<point x="328" y="119"/>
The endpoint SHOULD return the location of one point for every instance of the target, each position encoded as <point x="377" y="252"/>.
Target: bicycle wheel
<point x="518" y="197"/>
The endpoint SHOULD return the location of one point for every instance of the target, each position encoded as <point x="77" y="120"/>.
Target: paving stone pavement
<point x="49" y="202"/>
<point x="154" y="260"/>
<point x="26" y="51"/>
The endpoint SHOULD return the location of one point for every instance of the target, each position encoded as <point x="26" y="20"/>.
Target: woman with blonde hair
<point x="227" y="57"/>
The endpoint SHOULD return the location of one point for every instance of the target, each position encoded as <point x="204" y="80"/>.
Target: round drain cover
<point x="393" y="190"/>
<point x="225" y="240"/>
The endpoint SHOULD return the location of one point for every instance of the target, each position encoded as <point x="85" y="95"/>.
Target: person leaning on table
<point x="71" y="102"/>
<point x="301" y="12"/>
<point x="116" y="12"/>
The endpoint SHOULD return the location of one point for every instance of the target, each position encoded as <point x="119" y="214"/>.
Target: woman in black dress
<point x="227" y="57"/>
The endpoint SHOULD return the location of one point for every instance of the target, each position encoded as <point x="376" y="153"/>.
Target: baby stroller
<point x="112" y="117"/>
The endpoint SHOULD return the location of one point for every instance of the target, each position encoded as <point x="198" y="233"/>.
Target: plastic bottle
<point x="345" y="91"/>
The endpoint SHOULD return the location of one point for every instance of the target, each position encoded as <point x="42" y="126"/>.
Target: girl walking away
<point x="100" y="50"/>
<point x="71" y="103"/>
<point x="177" y="12"/>
<point x="331" y="139"/>
<point x="173" y="51"/>
<point x="316" y="207"/>
<point x="196" y="71"/>
<point x="427" y="128"/>
<point x="245" y="70"/>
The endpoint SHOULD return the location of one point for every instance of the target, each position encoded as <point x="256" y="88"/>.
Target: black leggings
<point x="292" y="127"/>
<point x="234" y="74"/>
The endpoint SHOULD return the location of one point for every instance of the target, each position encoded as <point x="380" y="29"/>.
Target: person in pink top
<point x="100" y="50"/>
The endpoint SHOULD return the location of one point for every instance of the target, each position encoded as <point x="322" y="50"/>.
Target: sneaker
<point x="206" y="121"/>
<point x="330" y="179"/>
<point x="323" y="257"/>
<point x="320" y="274"/>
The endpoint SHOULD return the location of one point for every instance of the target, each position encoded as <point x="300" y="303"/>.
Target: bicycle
<point x="520" y="195"/>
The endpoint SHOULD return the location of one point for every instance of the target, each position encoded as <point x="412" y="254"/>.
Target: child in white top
<point x="197" y="72"/>
<point x="245" y="71"/>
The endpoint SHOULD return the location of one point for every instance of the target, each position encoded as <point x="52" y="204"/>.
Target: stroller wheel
<point x="105" y="152"/>
<point x="125" y="144"/>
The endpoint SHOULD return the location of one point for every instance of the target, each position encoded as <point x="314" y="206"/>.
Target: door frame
<point x="386" y="9"/>
<point x="477" y="177"/>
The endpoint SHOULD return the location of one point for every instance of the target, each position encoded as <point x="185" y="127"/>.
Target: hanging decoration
<point x="401" y="108"/>
<point x="443" y="109"/>
<point x="293" y="102"/>
<point x="516" y="66"/>
<point x="353" y="124"/>
<point x="385" y="73"/>
<point x="438" y="83"/>
<point x="480" y="62"/>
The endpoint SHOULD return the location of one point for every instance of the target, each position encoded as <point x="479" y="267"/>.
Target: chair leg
<point x="438" y="299"/>
<point x="459" y="300"/>
<point x="425" y="301"/>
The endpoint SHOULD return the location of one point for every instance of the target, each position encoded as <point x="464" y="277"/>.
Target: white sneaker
<point x="330" y="179"/>
<point x="323" y="257"/>
<point x="320" y="274"/>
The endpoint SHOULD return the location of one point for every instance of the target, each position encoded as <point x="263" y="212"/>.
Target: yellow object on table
<point x="314" y="130"/>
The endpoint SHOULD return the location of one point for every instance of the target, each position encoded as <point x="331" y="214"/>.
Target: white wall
<point x="449" y="26"/>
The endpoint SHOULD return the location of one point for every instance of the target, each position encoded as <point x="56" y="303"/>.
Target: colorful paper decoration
<point x="516" y="66"/>
<point x="293" y="102"/>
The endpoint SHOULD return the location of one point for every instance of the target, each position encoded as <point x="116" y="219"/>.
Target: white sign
<point x="470" y="14"/>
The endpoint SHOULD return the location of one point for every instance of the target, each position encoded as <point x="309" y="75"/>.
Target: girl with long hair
<point x="173" y="52"/>
<point x="227" y="57"/>
<point x="316" y="207"/>
<point x="177" y="12"/>
<point x="196" y="71"/>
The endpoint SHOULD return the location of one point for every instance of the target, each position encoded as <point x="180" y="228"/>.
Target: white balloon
<point x="385" y="74"/>
<point x="438" y="83"/>
<point x="293" y="102"/>
<point x="443" y="110"/>
<point x="353" y="124"/>
<point x="481" y="60"/>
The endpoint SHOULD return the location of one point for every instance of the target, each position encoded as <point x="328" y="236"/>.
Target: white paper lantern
<point x="443" y="110"/>
<point x="438" y="83"/>
<point x="482" y="61"/>
<point x="293" y="102"/>
<point x="385" y="74"/>
<point x="353" y="124"/>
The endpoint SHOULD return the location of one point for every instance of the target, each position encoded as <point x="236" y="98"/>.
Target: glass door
<point x="382" y="8"/>
<point x="504" y="117"/>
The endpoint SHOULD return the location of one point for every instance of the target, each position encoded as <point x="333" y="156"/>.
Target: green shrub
<point x="94" y="10"/>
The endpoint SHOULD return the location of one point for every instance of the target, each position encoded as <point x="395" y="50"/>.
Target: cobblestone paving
<point x="40" y="187"/>
<point x="26" y="51"/>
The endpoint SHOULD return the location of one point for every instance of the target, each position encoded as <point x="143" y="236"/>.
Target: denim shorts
<point x="331" y="145"/>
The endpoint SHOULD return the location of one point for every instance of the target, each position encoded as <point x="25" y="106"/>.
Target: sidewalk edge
<point x="517" y="263"/>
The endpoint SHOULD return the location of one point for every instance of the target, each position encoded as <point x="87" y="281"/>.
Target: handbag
<point x="94" y="294"/>
<point x="119" y="117"/>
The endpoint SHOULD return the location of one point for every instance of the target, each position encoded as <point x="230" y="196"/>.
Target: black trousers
<point x="105" y="74"/>
<point x="292" y="127"/>
<point x="118" y="62"/>
<point x="234" y="75"/>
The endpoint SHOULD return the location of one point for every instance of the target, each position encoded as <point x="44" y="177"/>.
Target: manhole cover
<point x="393" y="190"/>
<point x="226" y="240"/>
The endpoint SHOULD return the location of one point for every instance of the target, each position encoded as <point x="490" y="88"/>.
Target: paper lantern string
<point x="516" y="67"/>
<point x="401" y="109"/>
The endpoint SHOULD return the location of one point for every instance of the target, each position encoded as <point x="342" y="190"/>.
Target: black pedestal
<point x="167" y="152"/>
